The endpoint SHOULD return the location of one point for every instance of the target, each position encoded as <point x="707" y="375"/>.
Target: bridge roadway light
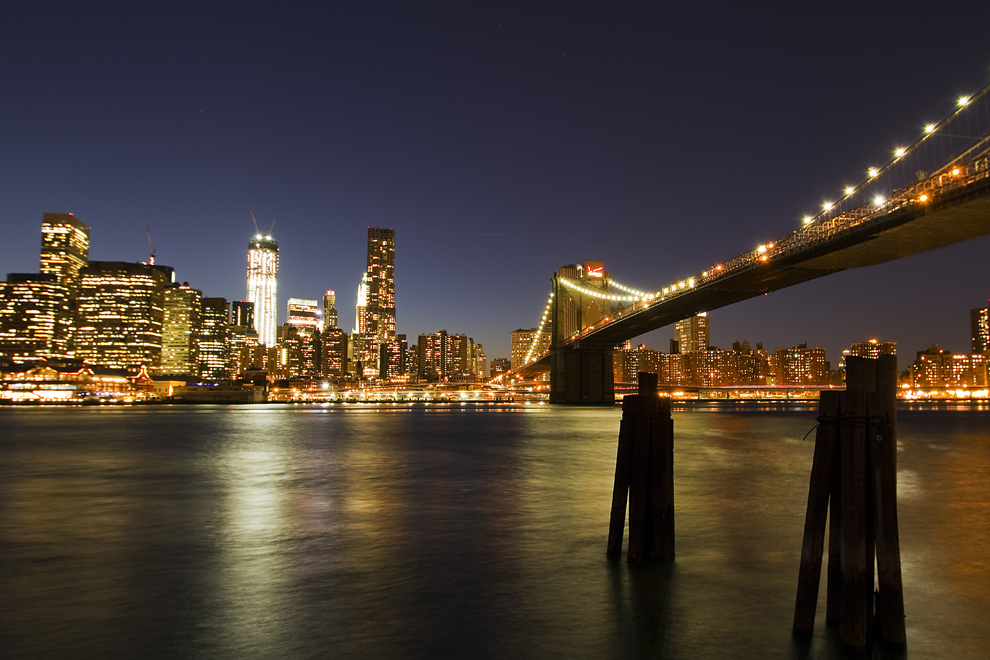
<point x="879" y="200"/>
<point x="900" y="151"/>
<point x="873" y="172"/>
<point x="850" y="190"/>
<point x="929" y="128"/>
<point x="827" y="206"/>
<point x="963" y="100"/>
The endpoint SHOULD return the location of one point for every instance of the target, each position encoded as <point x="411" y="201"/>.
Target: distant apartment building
<point x="499" y="366"/>
<point x="980" y="328"/>
<point x="872" y="349"/>
<point x="333" y="353"/>
<point x="801" y="365"/>
<point x="935" y="368"/>
<point x="692" y="334"/>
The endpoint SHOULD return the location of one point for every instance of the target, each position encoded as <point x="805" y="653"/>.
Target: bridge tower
<point x="581" y="372"/>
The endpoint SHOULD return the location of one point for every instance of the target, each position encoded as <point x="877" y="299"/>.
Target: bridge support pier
<point x="581" y="376"/>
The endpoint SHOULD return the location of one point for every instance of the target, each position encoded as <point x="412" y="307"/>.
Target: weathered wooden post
<point x="853" y="482"/>
<point x="644" y="472"/>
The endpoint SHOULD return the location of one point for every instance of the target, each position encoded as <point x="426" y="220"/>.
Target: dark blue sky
<point x="501" y="140"/>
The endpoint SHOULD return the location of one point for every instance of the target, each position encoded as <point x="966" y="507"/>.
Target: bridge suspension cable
<point x="539" y="331"/>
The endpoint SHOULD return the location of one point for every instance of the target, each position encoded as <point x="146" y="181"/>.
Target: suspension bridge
<point x="932" y="192"/>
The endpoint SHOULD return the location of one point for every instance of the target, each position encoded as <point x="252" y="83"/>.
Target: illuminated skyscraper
<point x="64" y="248"/>
<point x="262" y="285"/>
<point x="35" y="317"/>
<point x="306" y="324"/>
<point x="380" y="310"/>
<point x="329" y="310"/>
<point x="120" y="310"/>
<point x="180" y="330"/>
<point x="213" y="339"/>
<point x="980" y="325"/>
<point x="691" y="334"/>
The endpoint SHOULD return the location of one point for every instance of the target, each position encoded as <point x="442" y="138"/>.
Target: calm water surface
<point x="465" y="532"/>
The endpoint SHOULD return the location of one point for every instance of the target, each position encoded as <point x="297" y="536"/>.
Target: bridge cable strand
<point x="539" y="330"/>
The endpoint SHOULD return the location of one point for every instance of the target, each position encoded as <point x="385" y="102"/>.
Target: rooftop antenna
<point x="255" y="221"/>
<point x="151" y="248"/>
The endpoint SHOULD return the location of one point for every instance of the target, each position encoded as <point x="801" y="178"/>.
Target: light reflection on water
<point x="447" y="531"/>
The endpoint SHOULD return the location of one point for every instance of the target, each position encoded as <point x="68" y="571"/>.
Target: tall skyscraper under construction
<point x="262" y="285"/>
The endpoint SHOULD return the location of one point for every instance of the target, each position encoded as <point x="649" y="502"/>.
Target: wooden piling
<point x="856" y="482"/>
<point x="822" y="474"/>
<point x="852" y="450"/>
<point x="623" y="471"/>
<point x="644" y="472"/>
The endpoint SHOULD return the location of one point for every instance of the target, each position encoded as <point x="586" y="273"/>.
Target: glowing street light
<point x="873" y="172"/>
<point x="929" y="128"/>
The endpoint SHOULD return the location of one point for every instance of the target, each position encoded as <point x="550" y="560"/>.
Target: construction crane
<point x="255" y="221"/>
<point x="151" y="248"/>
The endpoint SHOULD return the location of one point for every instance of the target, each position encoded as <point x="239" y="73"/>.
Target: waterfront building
<point x="692" y="334"/>
<point x="980" y="328"/>
<point x="262" y="286"/>
<point x="712" y="368"/>
<point x="35" y="317"/>
<point x="752" y="365"/>
<point x="333" y="353"/>
<point x="801" y="365"/>
<point x="433" y="356"/>
<point x="244" y="351"/>
<point x="64" y="248"/>
<point x="180" y="330"/>
<point x="936" y="368"/>
<point x="329" y="310"/>
<point x="389" y="359"/>
<point x="213" y="340"/>
<point x="303" y="316"/>
<point x="242" y="313"/>
<point x="120" y="311"/>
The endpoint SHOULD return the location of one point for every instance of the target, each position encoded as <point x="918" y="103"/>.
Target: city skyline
<point x="500" y="143"/>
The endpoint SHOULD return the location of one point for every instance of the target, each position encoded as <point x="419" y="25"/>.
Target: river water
<point x="448" y="531"/>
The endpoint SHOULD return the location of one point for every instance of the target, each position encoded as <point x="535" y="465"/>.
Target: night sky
<point x="501" y="140"/>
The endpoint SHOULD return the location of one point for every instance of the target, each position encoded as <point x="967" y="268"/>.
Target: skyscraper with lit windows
<point x="262" y="285"/>
<point x="329" y="310"/>
<point x="35" y="317"/>
<point x="121" y="308"/>
<point x="64" y="248"/>
<point x="980" y="326"/>
<point x="380" y="310"/>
